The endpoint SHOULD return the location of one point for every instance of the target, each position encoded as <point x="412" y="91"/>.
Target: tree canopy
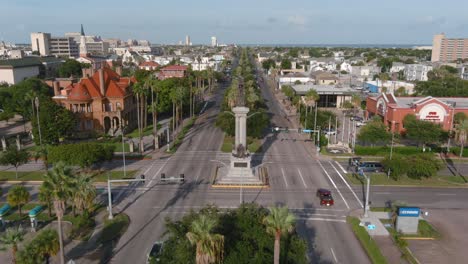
<point x="69" y="68"/>
<point x="374" y="132"/>
<point x="423" y="132"/>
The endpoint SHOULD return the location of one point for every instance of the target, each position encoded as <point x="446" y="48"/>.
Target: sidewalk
<point x="380" y="234"/>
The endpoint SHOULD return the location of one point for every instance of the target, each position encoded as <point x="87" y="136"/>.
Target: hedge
<point x="423" y="165"/>
<point x="82" y="154"/>
<point x="456" y="151"/>
<point x="385" y="150"/>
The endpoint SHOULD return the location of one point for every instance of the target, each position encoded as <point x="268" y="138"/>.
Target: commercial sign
<point x="409" y="211"/>
<point x="432" y="112"/>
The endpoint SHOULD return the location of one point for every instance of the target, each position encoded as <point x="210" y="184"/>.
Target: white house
<point x="417" y="72"/>
<point x="345" y="66"/>
<point x="365" y="71"/>
<point x="292" y="78"/>
<point x="15" y="71"/>
<point x="322" y="64"/>
<point x="397" y="67"/>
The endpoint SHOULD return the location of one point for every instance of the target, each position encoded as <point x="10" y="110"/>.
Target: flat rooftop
<point x="302" y="89"/>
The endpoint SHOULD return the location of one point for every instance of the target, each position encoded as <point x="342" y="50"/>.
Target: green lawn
<point x="118" y="146"/>
<point x="424" y="229"/>
<point x="367" y="242"/>
<point x="114" y="228"/>
<point x="436" y="181"/>
<point x="146" y="132"/>
<point x="380" y="209"/>
<point x="38" y="175"/>
<point x="22" y="176"/>
<point x="254" y="145"/>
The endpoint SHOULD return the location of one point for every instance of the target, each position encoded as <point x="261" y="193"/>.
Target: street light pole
<point x="109" y="197"/>
<point x="450" y="130"/>
<point x="36" y="101"/>
<point x="366" y="206"/>
<point x="123" y="144"/>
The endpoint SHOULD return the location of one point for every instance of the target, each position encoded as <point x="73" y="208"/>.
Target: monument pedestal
<point x="240" y="173"/>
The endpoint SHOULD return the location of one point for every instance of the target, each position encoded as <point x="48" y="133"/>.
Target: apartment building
<point x="447" y="50"/>
<point x="417" y="72"/>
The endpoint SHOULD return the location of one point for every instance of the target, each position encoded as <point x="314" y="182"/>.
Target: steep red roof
<point x="149" y="64"/>
<point x="79" y="93"/>
<point x="88" y="88"/>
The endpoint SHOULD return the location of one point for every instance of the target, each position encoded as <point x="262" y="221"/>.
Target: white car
<point x="360" y="123"/>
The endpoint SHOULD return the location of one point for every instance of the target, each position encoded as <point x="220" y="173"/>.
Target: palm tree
<point x="84" y="193"/>
<point x="139" y="91"/>
<point x="12" y="237"/>
<point x="210" y="247"/>
<point x="462" y="134"/>
<point x="311" y="98"/>
<point x="356" y="101"/>
<point x="279" y="222"/>
<point x="45" y="196"/>
<point x="42" y="153"/>
<point x="49" y="244"/>
<point x="58" y="181"/>
<point x="18" y="195"/>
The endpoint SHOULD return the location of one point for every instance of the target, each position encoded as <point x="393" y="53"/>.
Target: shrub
<point x="414" y="166"/>
<point x="456" y="151"/>
<point x="82" y="154"/>
<point x="385" y="150"/>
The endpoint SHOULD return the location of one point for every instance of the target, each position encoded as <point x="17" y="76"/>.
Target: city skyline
<point x="242" y="22"/>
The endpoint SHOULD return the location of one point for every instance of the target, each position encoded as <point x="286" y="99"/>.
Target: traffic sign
<point x="361" y="172"/>
<point x="371" y="227"/>
<point x="307" y="131"/>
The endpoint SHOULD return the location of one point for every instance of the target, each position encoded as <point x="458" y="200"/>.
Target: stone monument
<point x="240" y="171"/>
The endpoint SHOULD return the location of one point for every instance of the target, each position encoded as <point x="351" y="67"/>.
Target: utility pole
<point x="36" y="101"/>
<point x="366" y="206"/>
<point x="450" y="130"/>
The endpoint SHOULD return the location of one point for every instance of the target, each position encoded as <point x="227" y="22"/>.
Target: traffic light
<point x="182" y="177"/>
<point x="163" y="176"/>
<point x="142" y="177"/>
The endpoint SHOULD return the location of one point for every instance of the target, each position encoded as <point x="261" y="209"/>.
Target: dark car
<point x="370" y="167"/>
<point x="326" y="197"/>
<point x="155" y="252"/>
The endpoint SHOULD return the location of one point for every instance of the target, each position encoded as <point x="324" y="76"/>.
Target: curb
<point x="240" y="186"/>
<point x="418" y="238"/>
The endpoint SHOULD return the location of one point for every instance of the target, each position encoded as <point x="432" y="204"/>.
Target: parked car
<point x="360" y="123"/>
<point x="370" y="167"/>
<point x="357" y="118"/>
<point x="329" y="131"/>
<point x="326" y="197"/>
<point x="155" y="252"/>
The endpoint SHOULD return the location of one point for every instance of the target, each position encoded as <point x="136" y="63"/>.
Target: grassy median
<point x="382" y="179"/>
<point x="38" y="175"/>
<point x="367" y="242"/>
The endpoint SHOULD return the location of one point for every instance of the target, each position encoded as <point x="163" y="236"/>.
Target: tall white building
<point x="40" y="43"/>
<point x="214" y="41"/>
<point x="187" y="40"/>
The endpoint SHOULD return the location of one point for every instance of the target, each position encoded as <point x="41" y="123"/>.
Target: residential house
<point x="172" y="71"/>
<point x="149" y="65"/>
<point x="417" y="72"/>
<point x="103" y="102"/>
<point x="323" y="78"/>
<point x="16" y="70"/>
<point x="365" y="71"/>
<point x="397" y="67"/>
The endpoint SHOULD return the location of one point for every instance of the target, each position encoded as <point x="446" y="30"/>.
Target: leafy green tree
<point x="268" y="64"/>
<point x="12" y="237"/>
<point x="374" y="132"/>
<point x="59" y="180"/>
<point x="423" y="132"/>
<point x="81" y="154"/>
<point x="286" y="64"/>
<point x="462" y="132"/>
<point x="293" y="52"/>
<point x="401" y="91"/>
<point x="6" y="116"/>
<point x="14" y="157"/>
<point x="288" y="91"/>
<point x="56" y="122"/>
<point x="278" y="223"/>
<point x="18" y="195"/>
<point x="69" y="68"/>
<point x="459" y="118"/>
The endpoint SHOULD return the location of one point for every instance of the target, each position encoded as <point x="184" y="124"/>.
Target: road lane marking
<point x="334" y="185"/>
<point x="334" y="256"/>
<point x="381" y="193"/>
<point x="155" y="175"/>
<point x="284" y="177"/>
<point x="302" y="178"/>
<point x="446" y="194"/>
<point x="349" y="187"/>
<point x="321" y="219"/>
<point x="341" y="167"/>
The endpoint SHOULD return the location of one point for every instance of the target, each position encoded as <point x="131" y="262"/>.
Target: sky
<point x="240" y="21"/>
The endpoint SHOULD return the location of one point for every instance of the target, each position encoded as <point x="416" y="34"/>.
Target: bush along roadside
<point x="366" y="241"/>
<point x="416" y="166"/>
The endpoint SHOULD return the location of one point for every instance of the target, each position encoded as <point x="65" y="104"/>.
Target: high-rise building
<point x="214" y="41"/>
<point x="187" y="40"/>
<point x="56" y="46"/>
<point x="447" y="50"/>
<point x="40" y="43"/>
